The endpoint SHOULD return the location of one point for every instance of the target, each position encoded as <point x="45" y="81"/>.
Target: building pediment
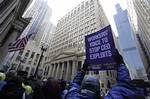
<point x="64" y="55"/>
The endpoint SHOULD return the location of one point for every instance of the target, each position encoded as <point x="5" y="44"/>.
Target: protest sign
<point x="99" y="49"/>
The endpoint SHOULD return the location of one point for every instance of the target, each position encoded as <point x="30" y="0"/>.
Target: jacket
<point x="124" y="89"/>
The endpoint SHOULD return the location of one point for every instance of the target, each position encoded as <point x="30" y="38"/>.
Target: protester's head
<point x="2" y="76"/>
<point x="28" y="89"/>
<point x="22" y="74"/>
<point x="51" y="89"/>
<point x="91" y="83"/>
<point x="11" y="75"/>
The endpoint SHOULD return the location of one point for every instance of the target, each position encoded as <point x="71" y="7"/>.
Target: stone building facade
<point x="66" y="54"/>
<point x="11" y="23"/>
<point x="39" y="26"/>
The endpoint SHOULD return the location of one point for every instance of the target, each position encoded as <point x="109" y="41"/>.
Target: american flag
<point x="18" y="44"/>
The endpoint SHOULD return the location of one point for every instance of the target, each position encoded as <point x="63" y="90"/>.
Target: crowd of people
<point x="16" y="85"/>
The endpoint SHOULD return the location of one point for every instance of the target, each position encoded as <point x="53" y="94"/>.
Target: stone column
<point x="70" y="70"/>
<point x="29" y="72"/>
<point x="54" y="66"/>
<point x="62" y="71"/>
<point x="90" y="73"/>
<point x="57" y="71"/>
<point x="74" y="69"/>
<point x="50" y="70"/>
<point x="67" y="71"/>
<point x="82" y="62"/>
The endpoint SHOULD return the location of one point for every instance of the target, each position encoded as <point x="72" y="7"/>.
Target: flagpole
<point x="18" y="44"/>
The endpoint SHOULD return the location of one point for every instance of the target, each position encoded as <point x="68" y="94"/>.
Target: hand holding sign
<point x="117" y="57"/>
<point x="85" y="65"/>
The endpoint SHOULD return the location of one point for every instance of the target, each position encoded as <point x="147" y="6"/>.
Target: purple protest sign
<point x="99" y="49"/>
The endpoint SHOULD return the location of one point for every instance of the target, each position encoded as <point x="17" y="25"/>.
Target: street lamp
<point x="43" y="49"/>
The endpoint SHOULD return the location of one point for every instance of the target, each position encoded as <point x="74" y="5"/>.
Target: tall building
<point x="11" y="23"/>
<point x="40" y="26"/>
<point x="40" y="12"/>
<point x="139" y="15"/>
<point x="48" y="29"/>
<point x="67" y="51"/>
<point x="127" y="42"/>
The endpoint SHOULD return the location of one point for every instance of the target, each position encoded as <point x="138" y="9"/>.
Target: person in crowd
<point x="2" y="80"/>
<point x="63" y="87"/>
<point x="52" y="90"/>
<point x="28" y="92"/>
<point x="36" y="87"/>
<point x="125" y="88"/>
<point x="89" y="87"/>
<point x="13" y="89"/>
<point x="62" y="84"/>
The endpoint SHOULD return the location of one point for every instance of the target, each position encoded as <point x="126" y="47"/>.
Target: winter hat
<point x="28" y="89"/>
<point x="11" y="73"/>
<point x="2" y="76"/>
<point x="91" y="83"/>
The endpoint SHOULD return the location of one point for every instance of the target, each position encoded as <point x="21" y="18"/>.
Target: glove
<point x="118" y="58"/>
<point x="85" y="65"/>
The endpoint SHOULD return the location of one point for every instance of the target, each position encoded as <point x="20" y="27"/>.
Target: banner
<point x="99" y="48"/>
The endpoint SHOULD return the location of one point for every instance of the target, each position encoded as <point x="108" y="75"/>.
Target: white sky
<point x="62" y="7"/>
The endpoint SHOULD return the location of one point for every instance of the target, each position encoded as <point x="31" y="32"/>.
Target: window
<point x="27" y="53"/>
<point x="20" y="52"/>
<point x="45" y="58"/>
<point x="13" y="66"/>
<point x="82" y="7"/>
<point x="87" y="3"/>
<point x="31" y="57"/>
<point x="32" y="71"/>
<point x="27" y="69"/>
<point x="36" y="59"/>
<point x="79" y="9"/>
<point x="19" y="55"/>
<point x="74" y="11"/>
<point x="91" y="1"/>
<point x="20" y="67"/>
<point x="18" y="58"/>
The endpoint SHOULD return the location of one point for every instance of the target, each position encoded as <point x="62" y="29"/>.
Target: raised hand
<point x="117" y="57"/>
<point x="85" y="65"/>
